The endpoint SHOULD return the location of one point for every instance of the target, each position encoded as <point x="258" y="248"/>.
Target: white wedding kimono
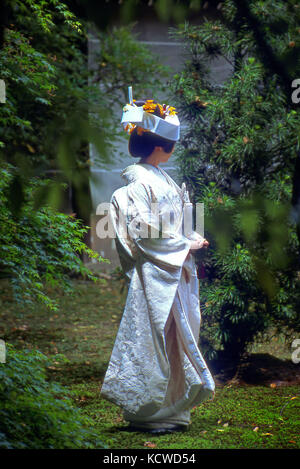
<point x="156" y="372"/>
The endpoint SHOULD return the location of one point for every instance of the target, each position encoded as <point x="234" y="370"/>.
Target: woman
<point x="156" y="373"/>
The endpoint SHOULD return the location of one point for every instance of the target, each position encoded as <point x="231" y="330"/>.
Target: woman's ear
<point x="158" y="149"/>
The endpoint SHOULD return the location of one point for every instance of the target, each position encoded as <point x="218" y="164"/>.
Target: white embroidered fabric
<point x="156" y="372"/>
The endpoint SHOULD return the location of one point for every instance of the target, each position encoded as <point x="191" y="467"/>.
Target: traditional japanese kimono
<point x="156" y="372"/>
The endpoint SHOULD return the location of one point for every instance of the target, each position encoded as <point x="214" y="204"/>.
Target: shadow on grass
<point x="77" y="373"/>
<point x="256" y="369"/>
<point x="33" y="336"/>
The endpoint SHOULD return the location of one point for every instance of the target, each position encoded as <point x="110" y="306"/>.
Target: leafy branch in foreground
<point x="39" y="247"/>
<point x="36" y="413"/>
<point x="238" y="156"/>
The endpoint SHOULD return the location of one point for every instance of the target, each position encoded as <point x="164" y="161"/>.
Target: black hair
<point x="141" y="146"/>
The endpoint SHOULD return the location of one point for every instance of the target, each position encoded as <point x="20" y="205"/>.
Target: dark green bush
<point x="40" y="246"/>
<point x="37" y="414"/>
<point x="238" y="156"/>
<point x="55" y="107"/>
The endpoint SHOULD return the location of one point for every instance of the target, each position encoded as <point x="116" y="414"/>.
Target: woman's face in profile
<point x="162" y="155"/>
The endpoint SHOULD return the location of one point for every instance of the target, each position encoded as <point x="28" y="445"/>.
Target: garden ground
<point x="257" y="407"/>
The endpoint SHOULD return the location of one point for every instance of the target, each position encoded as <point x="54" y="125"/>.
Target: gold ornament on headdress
<point x="150" y="106"/>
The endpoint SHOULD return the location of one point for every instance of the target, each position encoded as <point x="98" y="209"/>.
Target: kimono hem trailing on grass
<point x="156" y="372"/>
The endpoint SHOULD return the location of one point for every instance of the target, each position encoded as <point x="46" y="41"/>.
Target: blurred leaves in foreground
<point x="240" y="157"/>
<point x="36" y="413"/>
<point x="57" y="105"/>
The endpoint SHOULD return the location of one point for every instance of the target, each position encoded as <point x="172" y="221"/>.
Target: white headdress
<point x="143" y="118"/>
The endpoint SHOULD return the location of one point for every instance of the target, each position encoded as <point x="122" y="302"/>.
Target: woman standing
<point x="156" y="372"/>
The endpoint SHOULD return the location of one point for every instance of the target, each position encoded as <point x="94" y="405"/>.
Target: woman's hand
<point x="198" y="244"/>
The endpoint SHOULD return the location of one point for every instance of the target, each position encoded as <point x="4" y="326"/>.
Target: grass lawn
<point x="246" y="413"/>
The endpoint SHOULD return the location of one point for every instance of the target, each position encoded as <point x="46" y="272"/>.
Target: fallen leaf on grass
<point x="255" y="429"/>
<point x="20" y="328"/>
<point x="267" y="434"/>
<point x="149" y="444"/>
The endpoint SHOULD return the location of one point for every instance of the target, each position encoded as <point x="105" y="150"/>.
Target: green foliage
<point x="36" y="414"/>
<point x="33" y="73"/>
<point x="238" y="156"/>
<point x="54" y="98"/>
<point x="122" y="60"/>
<point x="39" y="246"/>
<point x="55" y="107"/>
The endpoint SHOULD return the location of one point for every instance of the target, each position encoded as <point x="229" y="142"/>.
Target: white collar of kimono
<point x="143" y="171"/>
<point x="168" y="128"/>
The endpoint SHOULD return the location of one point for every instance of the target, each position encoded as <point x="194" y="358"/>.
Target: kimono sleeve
<point x="194" y="236"/>
<point x="167" y="249"/>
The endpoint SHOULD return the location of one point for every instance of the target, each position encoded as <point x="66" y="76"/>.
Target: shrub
<point x="36" y="414"/>
<point x="239" y="157"/>
<point x="40" y="246"/>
